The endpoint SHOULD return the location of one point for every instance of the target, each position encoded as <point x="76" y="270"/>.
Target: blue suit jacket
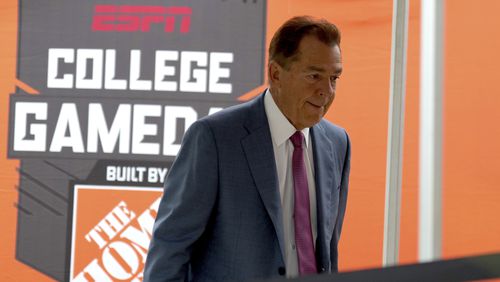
<point x="220" y="218"/>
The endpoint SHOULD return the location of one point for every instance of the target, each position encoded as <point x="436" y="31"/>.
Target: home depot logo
<point x="140" y="18"/>
<point x="112" y="228"/>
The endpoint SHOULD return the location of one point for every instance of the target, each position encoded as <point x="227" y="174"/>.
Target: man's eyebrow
<point x="314" y="68"/>
<point x="320" y="69"/>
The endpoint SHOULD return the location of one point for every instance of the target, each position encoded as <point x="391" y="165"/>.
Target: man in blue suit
<point x="234" y="199"/>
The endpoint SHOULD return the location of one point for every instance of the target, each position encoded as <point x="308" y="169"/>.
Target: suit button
<point x="281" y="270"/>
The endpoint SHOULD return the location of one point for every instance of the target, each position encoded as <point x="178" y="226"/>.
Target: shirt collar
<point x="281" y="129"/>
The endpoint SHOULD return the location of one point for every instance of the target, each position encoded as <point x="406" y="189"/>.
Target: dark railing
<point x="460" y="269"/>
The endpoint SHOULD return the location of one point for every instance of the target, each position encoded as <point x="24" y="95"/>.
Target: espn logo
<point x="140" y="18"/>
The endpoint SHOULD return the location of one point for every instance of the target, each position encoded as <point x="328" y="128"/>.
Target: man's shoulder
<point x="333" y="132"/>
<point x="234" y="115"/>
<point x="331" y="129"/>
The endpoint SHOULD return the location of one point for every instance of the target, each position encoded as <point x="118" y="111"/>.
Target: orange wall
<point x="471" y="204"/>
<point x="471" y="193"/>
<point x="10" y="269"/>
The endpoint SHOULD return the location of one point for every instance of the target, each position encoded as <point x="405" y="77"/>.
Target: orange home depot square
<point x="111" y="230"/>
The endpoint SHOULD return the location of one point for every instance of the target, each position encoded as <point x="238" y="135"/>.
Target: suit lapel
<point x="325" y="179"/>
<point x="259" y="152"/>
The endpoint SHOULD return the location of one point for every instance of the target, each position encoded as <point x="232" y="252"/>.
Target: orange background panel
<point x="10" y="268"/>
<point x="471" y="179"/>
<point x="471" y="157"/>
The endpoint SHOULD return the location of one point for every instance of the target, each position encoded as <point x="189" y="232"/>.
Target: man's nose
<point x="327" y="87"/>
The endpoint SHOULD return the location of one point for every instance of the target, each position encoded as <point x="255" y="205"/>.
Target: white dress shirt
<point x="281" y="130"/>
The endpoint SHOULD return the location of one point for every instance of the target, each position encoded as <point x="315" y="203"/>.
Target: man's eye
<point x="313" y="76"/>
<point x="334" y="78"/>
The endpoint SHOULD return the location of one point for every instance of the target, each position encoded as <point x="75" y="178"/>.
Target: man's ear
<point x="274" y="70"/>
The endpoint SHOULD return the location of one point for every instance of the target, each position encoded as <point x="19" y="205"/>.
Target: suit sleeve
<point x="344" y="185"/>
<point x="190" y="192"/>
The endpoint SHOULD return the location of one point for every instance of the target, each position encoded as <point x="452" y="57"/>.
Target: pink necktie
<point x="302" y="220"/>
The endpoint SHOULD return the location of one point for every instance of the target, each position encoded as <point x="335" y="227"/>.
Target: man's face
<point x="305" y="90"/>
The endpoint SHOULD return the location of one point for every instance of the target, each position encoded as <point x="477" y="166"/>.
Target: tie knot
<point x="297" y="139"/>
